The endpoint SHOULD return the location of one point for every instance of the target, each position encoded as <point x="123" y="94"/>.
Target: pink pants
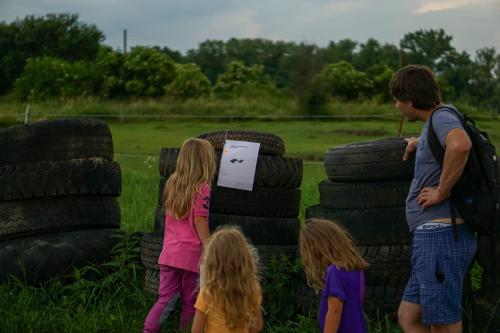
<point x="174" y="283"/>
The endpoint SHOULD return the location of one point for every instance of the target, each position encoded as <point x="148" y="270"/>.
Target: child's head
<point x="230" y="274"/>
<point x="323" y="243"/>
<point x="195" y="166"/>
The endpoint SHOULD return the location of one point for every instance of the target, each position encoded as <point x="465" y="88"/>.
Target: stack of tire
<point x="365" y="192"/>
<point x="267" y="215"/>
<point x="58" y="205"/>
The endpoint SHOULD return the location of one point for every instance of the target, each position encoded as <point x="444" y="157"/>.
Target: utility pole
<point x="125" y="41"/>
<point x="401" y="63"/>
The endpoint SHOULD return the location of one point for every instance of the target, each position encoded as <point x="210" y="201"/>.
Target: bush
<point x="239" y="80"/>
<point x="190" y="82"/>
<point x="146" y="72"/>
<point x="343" y="80"/>
<point x="47" y="77"/>
<point x="109" y="64"/>
<point x="380" y="75"/>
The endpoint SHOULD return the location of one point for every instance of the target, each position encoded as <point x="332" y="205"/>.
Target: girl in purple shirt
<point x="186" y="201"/>
<point x="334" y="267"/>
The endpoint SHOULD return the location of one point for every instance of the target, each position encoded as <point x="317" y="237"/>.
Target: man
<point x="433" y="296"/>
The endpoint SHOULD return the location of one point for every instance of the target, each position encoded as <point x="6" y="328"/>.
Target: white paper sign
<point x="237" y="165"/>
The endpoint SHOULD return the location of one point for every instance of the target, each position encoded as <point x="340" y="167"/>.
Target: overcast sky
<point x="183" y="24"/>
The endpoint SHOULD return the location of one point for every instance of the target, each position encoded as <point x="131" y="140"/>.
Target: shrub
<point x="239" y="80"/>
<point x="146" y="72"/>
<point x="109" y="64"/>
<point x="380" y="75"/>
<point x="190" y="82"/>
<point x="343" y="80"/>
<point x="47" y="77"/>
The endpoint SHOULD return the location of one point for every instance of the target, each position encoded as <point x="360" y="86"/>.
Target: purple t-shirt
<point x="349" y="287"/>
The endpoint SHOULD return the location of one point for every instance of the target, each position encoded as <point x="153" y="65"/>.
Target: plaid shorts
<point x="439" y="265"/>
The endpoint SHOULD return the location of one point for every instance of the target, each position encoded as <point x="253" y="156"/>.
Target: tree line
<point x="58" y="55"/>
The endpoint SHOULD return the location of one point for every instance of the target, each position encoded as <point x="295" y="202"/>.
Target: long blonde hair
<point x="323" y="243"/>
<point x="231" y="280"/>
<point x="195" y="166"/>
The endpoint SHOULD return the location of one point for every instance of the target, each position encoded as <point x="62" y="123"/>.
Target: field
<point x="116" y="303"/>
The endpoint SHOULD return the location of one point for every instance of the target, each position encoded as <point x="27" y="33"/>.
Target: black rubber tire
<point x="151" y="246"/>
<point x="369" y="160"/>
<point x="262" y="201"/>
<point x="159" y="226"/>
<point x="151" y="281"/>
<point x="270" y="171"/>
<point x="60" y="178"/>
<point x="375" y="226"/>
<point x="55" y="140"/>
<point x="389" y="193"/>
<point x="42" y="257"/>
<point x="48" y="215"/>
<point x="388" y="264"/>
<point x="260" y="230"/>
<point x="270" y="144"/>
<point x="270" y="255"/>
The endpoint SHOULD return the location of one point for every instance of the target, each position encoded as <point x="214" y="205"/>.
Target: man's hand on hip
<point x="430" y="196"/>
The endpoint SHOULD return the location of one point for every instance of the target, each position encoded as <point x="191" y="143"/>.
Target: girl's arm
<point x="198" y="322"/>
<point x="333" y="316"/>
<point x="259" y="324"/>
<point x="201" y="224"/>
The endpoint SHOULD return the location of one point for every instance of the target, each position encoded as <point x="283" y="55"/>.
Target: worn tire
<point x="369" y="160"/>
<point x="60" y="178"/>
<point x="49" y="215"/>
<point x="390" y="193"/>
<point x="270" y="255"/>
<point x="151" y="281"/>
<point x="374" y="226"/>
<point x="43" y="257"/>
<point x="55" y="140"/>
<point x="270" y="144"/>
<point x="260" y="230"/>
<point x="270" y="171"/>
<point x="151" y="246"/>
<point x="262" y="201"/>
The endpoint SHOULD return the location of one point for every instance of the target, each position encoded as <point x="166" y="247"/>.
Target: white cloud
<point x="437" y="5"/>
<point x="238" y="23"/>
<point x="341" y="7"/>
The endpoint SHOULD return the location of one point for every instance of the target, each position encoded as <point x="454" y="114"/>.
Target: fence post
<point x="27" y="114"/>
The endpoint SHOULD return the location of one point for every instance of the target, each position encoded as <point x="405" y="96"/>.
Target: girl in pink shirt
<point x="186" y="202"/>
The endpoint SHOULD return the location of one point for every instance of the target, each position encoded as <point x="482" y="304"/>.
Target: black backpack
<point x="475" y="193"/>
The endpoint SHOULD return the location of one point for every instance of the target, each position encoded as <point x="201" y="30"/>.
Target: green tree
<point x="343" y="80"/>
<point x="211" y="57"/>
<point x="55" y="35"/>
<point x="427" y="47"/>
<point x="373" y="53"/>
<point x="380" y="75"/>
<point x="343" y="50"/>
<point x="146" y="72"/>
<point x="239" y="80"/>
<point x="485" y="83"/>
<point x="109" y="64"/>
<point x="190" y="82"/>
<point x="48" y="77"/>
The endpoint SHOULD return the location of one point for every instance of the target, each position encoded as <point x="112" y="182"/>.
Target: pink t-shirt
<point x="181" y="244"/>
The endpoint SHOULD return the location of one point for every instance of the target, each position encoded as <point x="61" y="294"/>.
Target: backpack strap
<point x="438" y="152"/>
